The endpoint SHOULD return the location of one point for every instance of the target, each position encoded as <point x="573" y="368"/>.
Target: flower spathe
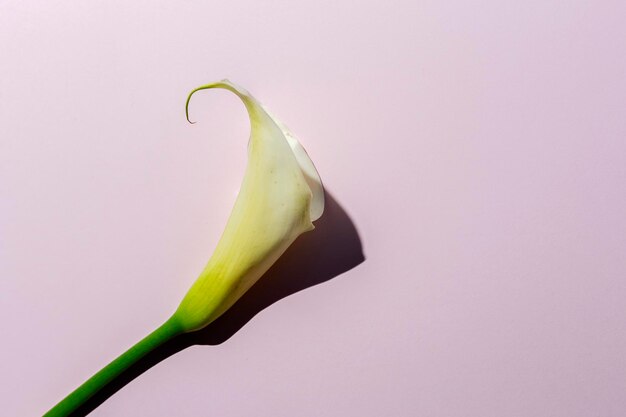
<point x="281" y="194"/>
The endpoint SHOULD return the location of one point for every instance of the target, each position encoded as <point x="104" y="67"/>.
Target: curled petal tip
<point x="187" y="107"/>
<point x="203" y="87"/>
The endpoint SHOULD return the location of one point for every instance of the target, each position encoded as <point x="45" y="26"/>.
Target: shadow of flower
<point x="334" y="247"/>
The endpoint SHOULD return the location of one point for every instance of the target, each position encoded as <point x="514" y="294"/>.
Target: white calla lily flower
<point x="280" y="196"/>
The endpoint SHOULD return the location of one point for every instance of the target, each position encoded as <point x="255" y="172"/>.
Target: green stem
<point x="107" y="374"/>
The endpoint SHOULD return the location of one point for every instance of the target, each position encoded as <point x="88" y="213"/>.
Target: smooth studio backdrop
<point x="478" y="147"/>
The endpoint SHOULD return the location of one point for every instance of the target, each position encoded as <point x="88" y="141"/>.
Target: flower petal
<point x="311" y="175"/>
<point x="273" y="207"/>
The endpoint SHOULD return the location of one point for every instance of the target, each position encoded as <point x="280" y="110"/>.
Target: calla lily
<point x="280" y="196"/>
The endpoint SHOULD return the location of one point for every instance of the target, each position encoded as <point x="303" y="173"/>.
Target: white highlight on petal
<point x="307" y="167"/>
<point x="311" y="175"/>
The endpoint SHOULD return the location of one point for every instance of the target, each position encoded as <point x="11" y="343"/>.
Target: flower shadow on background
<point x="334" y="247"/>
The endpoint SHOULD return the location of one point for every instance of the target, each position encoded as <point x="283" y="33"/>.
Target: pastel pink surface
<point x="479" y="148"/>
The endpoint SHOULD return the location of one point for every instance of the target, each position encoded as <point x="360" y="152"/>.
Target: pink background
<point x="479" y="148"/>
